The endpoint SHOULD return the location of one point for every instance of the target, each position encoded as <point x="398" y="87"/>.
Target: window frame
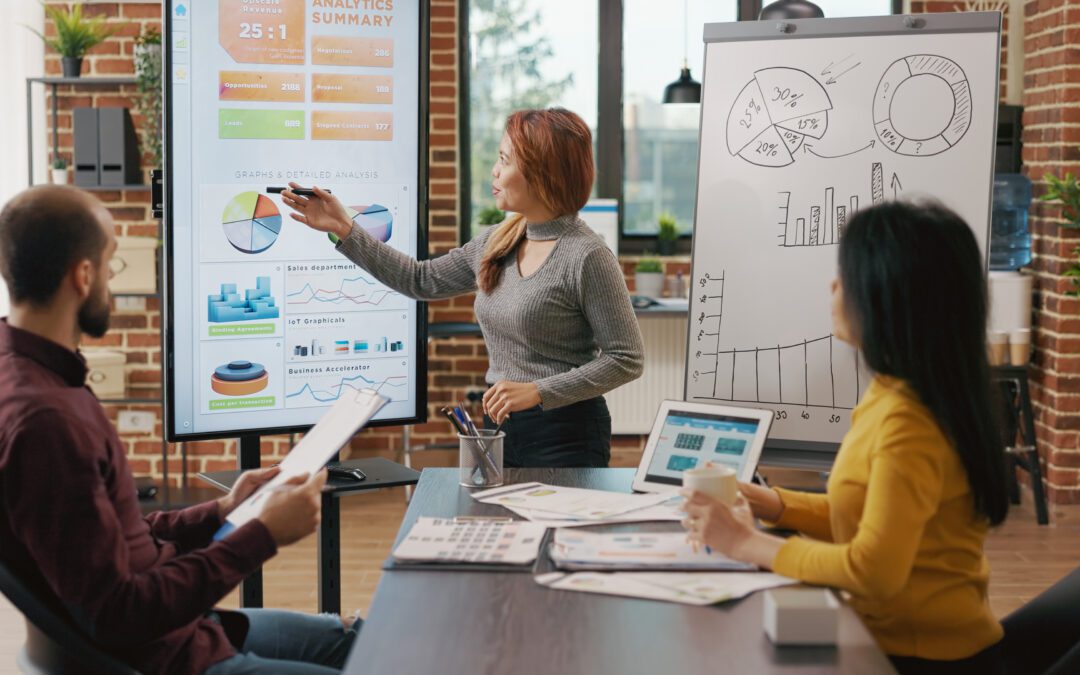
<point x="609" y="124"/>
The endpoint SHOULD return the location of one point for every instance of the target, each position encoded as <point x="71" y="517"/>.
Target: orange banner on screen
<point x="329" y="125"/>
<point x="262" y="32"/>
<point x="332" y="50"/>
<point x="328" y="88"/>
<point x="236" y="85"/>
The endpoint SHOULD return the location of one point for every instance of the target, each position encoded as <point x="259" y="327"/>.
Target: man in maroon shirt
<point x="70" y="526"/>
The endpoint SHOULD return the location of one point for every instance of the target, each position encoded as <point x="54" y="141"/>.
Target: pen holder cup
<point x="481" y="459"/>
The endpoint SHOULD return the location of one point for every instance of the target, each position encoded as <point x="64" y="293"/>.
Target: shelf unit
<point x="54" y="83"/>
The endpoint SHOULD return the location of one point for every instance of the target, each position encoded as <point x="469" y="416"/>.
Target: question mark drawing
<point x="918" y="147"/>
<point x="885" y="92"/>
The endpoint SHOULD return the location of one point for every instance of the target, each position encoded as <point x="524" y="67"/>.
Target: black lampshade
<point x="791" y="9"/>
<point x="683" y="90"/>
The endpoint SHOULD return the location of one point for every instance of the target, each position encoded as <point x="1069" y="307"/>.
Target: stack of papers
<point x="557" y="506"/>
<point x="577" y="550"/>
<point x="470" y="540"/>
<point x="691" y="588"/>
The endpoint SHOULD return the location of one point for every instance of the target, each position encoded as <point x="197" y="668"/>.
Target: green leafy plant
<point x="649" y="265"/>
<point x="149" y="101"/>
<point x="75" y="34"/>
<point x="668" y="227"/>
<point x="59" y="163"/>
<point x="1067" y="191"/>
<point x="490" y="215"/>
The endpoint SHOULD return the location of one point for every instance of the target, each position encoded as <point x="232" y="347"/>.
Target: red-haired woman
<point x="550" y="296"/>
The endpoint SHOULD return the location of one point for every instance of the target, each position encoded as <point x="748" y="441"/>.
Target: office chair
<point x="54" y="644"/>
<point x="1043" y="636"/>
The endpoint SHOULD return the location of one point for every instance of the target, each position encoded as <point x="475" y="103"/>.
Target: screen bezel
<point x="647" y="482"/>
<point x="169" y="336"/>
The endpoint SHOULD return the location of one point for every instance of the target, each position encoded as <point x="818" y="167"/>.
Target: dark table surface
<point x="380" y="472"/>
<point x="487" y="622"/>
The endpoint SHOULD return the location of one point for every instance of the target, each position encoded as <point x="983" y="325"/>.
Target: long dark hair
<point x="915" y="290"/>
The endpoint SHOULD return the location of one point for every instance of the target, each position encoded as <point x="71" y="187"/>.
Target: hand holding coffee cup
<point x="718" y="482"/>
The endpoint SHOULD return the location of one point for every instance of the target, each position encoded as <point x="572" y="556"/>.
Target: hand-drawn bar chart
<point x="823" y="224"/>
<point x="820" y="372"/>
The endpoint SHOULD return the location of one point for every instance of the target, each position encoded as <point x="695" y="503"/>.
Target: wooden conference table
<point x="491" y="622"/>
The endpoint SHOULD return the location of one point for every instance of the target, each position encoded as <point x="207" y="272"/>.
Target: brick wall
<point x="1051" y="136"/>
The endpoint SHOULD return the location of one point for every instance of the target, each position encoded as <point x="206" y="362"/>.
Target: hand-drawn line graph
<point x="307" y="293"/>
<point x="922" y="105"/>
<point x="825" y="223"/>
<point x="781" y="374"/>
<point x="773" y="115"/>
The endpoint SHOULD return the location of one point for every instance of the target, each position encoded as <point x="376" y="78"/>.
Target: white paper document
<point x="352" y="411"/>
<point x="570" y="503"/>
<point x="579" y="550"/>
<point x="457" y="540"/>
<point x="690" y="588"/>
<point x="668" y="511"/>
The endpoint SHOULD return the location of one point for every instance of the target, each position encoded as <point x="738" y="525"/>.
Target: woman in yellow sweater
<point x="920" y="476"/>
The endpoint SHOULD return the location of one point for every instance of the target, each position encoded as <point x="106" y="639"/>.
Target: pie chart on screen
<point x="252" y="222"/>
<point x="375" y="218"/>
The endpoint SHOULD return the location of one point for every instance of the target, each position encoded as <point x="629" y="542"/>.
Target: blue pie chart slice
<point x="376" y="219"/>
<point x="251" y="222"/>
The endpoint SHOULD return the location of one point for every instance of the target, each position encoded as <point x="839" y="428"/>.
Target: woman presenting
<point x="550" y="296"/>
<point x="920" y="475"/>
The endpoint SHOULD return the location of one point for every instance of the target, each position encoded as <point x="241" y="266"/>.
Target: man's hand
<point x="506" y="397"/>
<point x="244" y="487"/>
<point x="294" y="510"/>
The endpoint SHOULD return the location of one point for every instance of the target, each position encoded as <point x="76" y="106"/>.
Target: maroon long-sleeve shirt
<point x="71" y="526"/>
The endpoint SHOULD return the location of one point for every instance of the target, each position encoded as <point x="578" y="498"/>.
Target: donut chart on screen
<point x="374" y="218"/>
<point x="252" y="222"/>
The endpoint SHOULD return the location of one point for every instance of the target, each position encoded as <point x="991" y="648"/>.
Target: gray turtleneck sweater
<point x="569" y="326"/>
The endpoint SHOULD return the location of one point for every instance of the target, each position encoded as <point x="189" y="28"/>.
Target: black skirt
<point x="577" y="435"/>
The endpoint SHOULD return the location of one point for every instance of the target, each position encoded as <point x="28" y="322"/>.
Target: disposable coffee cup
<point x="999" y="347"/>
<point x="1020" y="346"/>
<point x="718" y="482"/>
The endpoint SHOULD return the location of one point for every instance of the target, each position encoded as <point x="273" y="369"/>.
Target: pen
<point x="480" y="466"/>
<point x="303" y="192"/>
<point x="488" y="460"/>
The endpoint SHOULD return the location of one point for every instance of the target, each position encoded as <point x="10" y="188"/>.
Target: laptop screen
<point x="689" y="439"/>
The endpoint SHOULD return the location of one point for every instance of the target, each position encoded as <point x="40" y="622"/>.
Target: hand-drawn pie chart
<point x="252" y="222"/>
<point x="774" y="113"/>
<point x="374" y="218"/>
<point x="922" y="105"/>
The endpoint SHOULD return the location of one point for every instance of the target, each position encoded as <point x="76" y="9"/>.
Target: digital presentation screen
<point x="267" y="324"/>
<point x="689" y="439"/>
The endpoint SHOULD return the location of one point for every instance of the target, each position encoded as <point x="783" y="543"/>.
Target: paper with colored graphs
<point x="350" y="412"/>
<point x="575" y="503"/>
<point x="479" y="540"/>
<point x="667" y="511"/>
<point x="690" y="588"/>
<point x="579" y="550"/>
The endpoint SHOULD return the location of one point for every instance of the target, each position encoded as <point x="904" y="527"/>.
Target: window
<point x="525" y="54"/>
<point x="660" y="140"/>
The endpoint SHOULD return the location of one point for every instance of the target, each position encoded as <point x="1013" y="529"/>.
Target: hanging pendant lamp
<point x="685" y="89"/>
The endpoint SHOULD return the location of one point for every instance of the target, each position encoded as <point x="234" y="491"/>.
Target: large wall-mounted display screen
<point x="266" y="323"/>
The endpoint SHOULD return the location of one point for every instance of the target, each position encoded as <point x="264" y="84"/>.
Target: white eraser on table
<point x="801" y="616"/>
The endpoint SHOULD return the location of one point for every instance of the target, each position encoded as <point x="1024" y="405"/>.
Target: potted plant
<point x="149" y="100"/>
<point x="667" y="234"/>
<point x="649" y="277"/>
<point x="1067" y="191"/>
<point x="59" y="171"/>
<point x="75" y="35"/>
<point x="488" y="216"/>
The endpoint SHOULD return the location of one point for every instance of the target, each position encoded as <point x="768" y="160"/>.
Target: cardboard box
<point x="135" y="264"/>
<point x="106" y="376"/>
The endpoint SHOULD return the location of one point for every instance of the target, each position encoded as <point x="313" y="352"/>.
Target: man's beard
<point x="94" y="315"/>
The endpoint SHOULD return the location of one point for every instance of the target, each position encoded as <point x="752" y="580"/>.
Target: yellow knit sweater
<point x="898" y="531"/>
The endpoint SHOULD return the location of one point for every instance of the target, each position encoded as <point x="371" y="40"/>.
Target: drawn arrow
<point x="833" y="78"/>
<point x="809" y="148"/>
<point x="827" y="70"/>
<point x="896" y="186"/>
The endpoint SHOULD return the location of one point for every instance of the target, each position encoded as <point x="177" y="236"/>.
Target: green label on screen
<point x="242" y="329"/>
<point x="240" y="123"/>
<point x="242" y="403"/>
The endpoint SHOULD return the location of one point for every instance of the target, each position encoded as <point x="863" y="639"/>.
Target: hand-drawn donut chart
<point x="922" y="105"/>
<point x="774" y="113"/>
